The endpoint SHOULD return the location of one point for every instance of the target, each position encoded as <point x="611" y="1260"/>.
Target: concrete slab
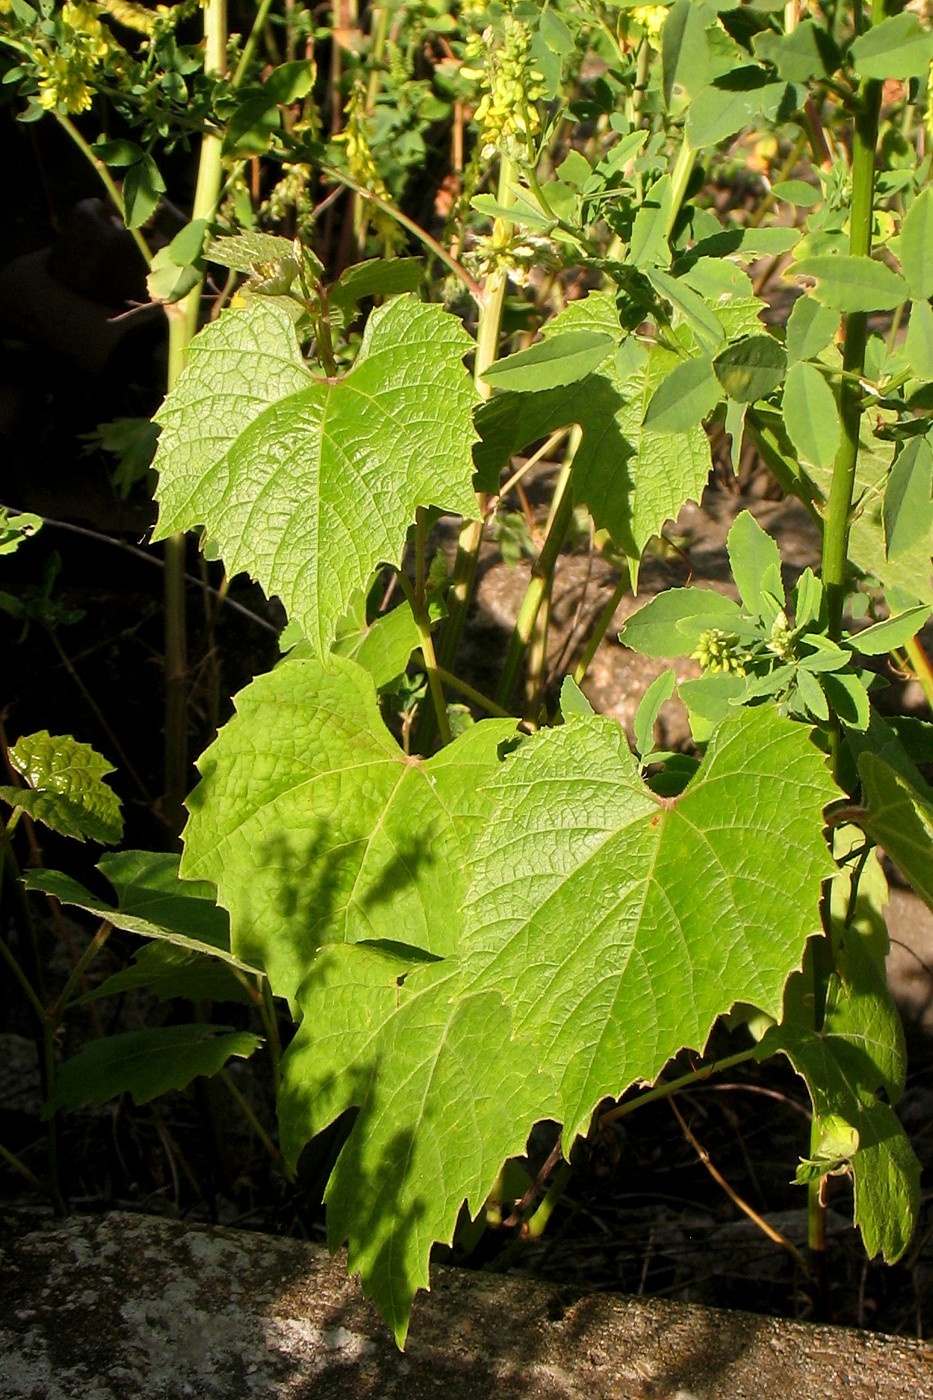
<point x="120" y="1307"/>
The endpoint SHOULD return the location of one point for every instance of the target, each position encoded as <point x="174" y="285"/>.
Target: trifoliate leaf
<point x="690" y="903"/>
<point x="898" y="47"/>
<point x="751" y="368"/>
<point x="316" y="827"/>
<point x="810" y="328"/>
<point x="685" y="398"/>
<point x="308" y="484"/>
<point x="918" y="342"/>
<point x="649" y="708"/>
<point x="810" y="415"/>
<point x="908" y="500"/>
<point x="916" y="246"/>
<point x="851" y="282"/>
<point x="631" y="477"/>
<point x="145" y="1064"/>
<point x="672" y="623"/>
<point x="755" y="561"/>
<point x="66" y="789"/>
<point x="561" y="359"/>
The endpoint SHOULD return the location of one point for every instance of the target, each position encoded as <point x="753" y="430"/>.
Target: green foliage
<point x="479" y="927"/>
<point x="66" y="789"/>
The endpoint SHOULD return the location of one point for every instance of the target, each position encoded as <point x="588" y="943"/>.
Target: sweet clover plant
<point x="477" y="926"/>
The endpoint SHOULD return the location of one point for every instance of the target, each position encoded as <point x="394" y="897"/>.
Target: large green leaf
<point x="856" y="1056"/>
<point x="618" y="925"/>
<point x="632" y="477"/>
<point x="147" y="1063"/>
<point x="445" y="1095"/>
<point x="66" y="788"/>
<point x="316" y="827"/>
<point x="305" y="483"/>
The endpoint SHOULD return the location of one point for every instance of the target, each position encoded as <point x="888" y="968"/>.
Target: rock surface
<point x="122" y="1306"/>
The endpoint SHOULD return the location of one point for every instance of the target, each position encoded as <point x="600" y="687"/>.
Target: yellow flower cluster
<point x="652" y="19"/>
<point x="721" y="651"/>
<point x="506" y="114"/>
<point x="362" y="166"/>
<point x="65" y="76"/>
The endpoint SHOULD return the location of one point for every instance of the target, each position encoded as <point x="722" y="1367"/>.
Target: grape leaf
<point x="308" y="484"/>
<point x="66" y="787"/>
<point x="445" y="1096"/>
<point x="146" y="1063"/>
<point x="631" y="477"/>
<point x="857" y="1054"/>
<point x="690" y="903"/>
<point x="317" y="828"/>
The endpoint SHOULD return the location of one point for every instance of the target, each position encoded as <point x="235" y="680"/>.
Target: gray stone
<point x="122" y="1306"/>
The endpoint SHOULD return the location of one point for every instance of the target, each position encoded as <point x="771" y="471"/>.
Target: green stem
<point x="922" y="668"/>
<point x="602" y="626"/>
<point x="538" y="1222"/>
<point x="671" y="1086"/>
<point x="90" y="952"/>
<point x="251" y="1118"/>
<point x="423" y="624"/>
<point x="470" y="693"/>
<point x="491" y="301"/>
<point x="680" y="179"/>
<point x="103" y="174"/>
<point x="541" y="574"/>
<point x="13" y="1161"/>
<point x="836" y="529"/>
<point x="251" y="41"/>
<point x="183" y="324"/>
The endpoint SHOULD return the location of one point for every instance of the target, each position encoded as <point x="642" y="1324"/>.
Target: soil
<point x="642" y="1213"/>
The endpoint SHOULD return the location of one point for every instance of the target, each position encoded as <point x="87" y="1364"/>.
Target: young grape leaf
<point x="690" y="903"/>
<point x="146" y="1063"/>
<point x="854" y="1057"/>
<point x="445" y="1095"/>
<point x="383" y="646"/>
<point x="151" y="901"/>
<point x="66" y="788"/>
<point x="316" y="827"/>
<point x="308" y="484"/>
